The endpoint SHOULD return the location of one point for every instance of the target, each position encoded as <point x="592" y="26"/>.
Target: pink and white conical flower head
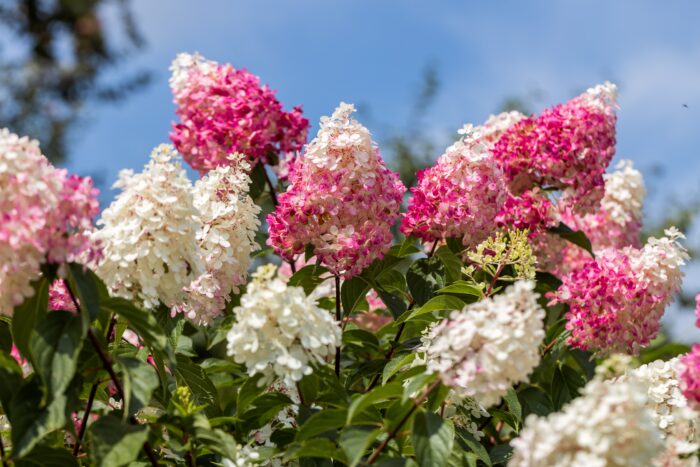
<point x="342" y="199"/>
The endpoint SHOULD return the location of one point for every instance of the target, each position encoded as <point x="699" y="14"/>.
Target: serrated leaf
<point x="432" y="439"/>
<point x="202" y="389"/>
<point x="139" y="380"/>
<point x="471" y="444"/>
<point x="83" y="282"/>
<point x="462" y="287"/>
<point x="395" y="365"/>
<point x="113" y="443"/>
<point x="534" y="400"/>
<point x="141" y="321"/>
<point x="566" y="384"/>
<point x="406" y="248"/>
<point x="501" y="453"/>
<point x="55" y="346"/>
<point x="514" y="406"/>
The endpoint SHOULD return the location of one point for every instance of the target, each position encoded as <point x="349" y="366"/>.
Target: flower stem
<point x="91" y="397"/>
<point x="392" y="434"/>
<point x="338" y="318"/>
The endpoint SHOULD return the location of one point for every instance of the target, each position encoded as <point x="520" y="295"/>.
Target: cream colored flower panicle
<point x="624" y="193"/>
<point x="679" y="424"/>
<point x="607" y="426"/>
<point x="149" y="234"/>
<point x="226" y="237"/>
<point x="280" y="331"/>
<point x="484" y="349"/>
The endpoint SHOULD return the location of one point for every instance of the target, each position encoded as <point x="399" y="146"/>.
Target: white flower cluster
<point x="490" y="345"/>
<point x="149" y="233"/>
<point x="168" y="242"/>
<point x="679" y="424"/>
<point x="183" y="65"/>
<point x="659" y="262"/>
<point x="624" y="193"/>
<point x="607" y="426"/>
<point x="280" y="331"/>
<point x="602" y="96"/>
<point x="226" y="237"/>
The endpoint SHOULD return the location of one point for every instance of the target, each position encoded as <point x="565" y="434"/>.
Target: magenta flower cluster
<point x="45" y="216"/>
<point x="689" y="376"/>
<point x="223" y="110"/>
<point x="617" y="299"/>
<point x="567" y="148"/>
<point x="460" y="196"/>
<point x="342" y="200"/>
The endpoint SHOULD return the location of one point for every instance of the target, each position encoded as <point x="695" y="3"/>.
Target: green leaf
<point x="84" y="284"/>
<point x="28" y="314"/>
<point x="378" y="394"/>
<point x="317" y="447"/>
<point x="406" y="248"/>
<point x="45" y="456"/>
<point x="501" y="454"/>
<point x="33" y="418"/>
<point x="425" y="277"/>
<point x="308" y="277"/>
<point x="202" y="389"/>
<point x="576" y="237"/>
<point x="432" y="439"/>
<point x="5" y="336"/>
<point x="55" y="346"/>
<point x="360" y="337"/>
<point x="247" y="393"/>
<point x="142" y="322"/>
<point x="139" y="380"/>
<point x="320" y="422"/>
<point x="471" y="444"/>
<point x="463" y="288"/>
<point x="514" y="406"/>
<point x="10" y="380"/>
<point x="535" y="400"/>
<point x="258" y="181"/>
<point x="439" y="303"/>
<point x="355" y="440"/>
<point x="395" y="365"/>
<point x="113" y="443"/>
<point x="565" y="385"/>
<point x="352" y="292"/>
<point x="453" y="265"/>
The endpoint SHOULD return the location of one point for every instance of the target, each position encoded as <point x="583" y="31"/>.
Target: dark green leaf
<point x="28" y="314"/>
<point x="395" y="365"/>
<point x="258" y="181"/>
<point x="463" y="288"/>
<point x="139" y="380"/>
<point x="453" y="265"/>
<point x="534" y="400"/>
<point x="471" y="444"/>
<point x="113" y="443"/>
<point x="316" y="447"/>
<point x="432" y="439"/>
<point x="320" y="422"/>
<point x="378" y="394"/>
<point x="308" y="277"/>
<point x="203" y="390"/>
<point x="514" y="406"/>
<point x="84" y="284"/>
<point x="576" y="237"/>
<point x="45" y="456"/>
<point x="406" y="248"/>
<point x="5" y="336"/>
<point x="439" y="303"/>
<point x="565" y="385"/>
<point x="501" y="454"/>
<point x="424" y="278"/>
<point x="355" y="440"/>
<point x="144" y="323"/>
<point x="10" y="380"/>
<point x="55" y="346"/>
<point x="352" y="292"/>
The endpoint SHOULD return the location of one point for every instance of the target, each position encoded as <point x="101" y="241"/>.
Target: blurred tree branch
<point x="60" y="56"/>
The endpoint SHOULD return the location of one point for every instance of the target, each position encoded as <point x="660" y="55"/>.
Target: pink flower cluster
<point x="223" y="110"/>
<point x="530" y="210"/>
<point x="689" y="376"/>
<point x="59" y="298"/>
<point x="697" y="310"/>
<point x="342" y="200"/>
<point x="567" y="147"/>
<point x="45" y="216"/>
<point x="460" y="196"/>
<point x="616" y="300"/>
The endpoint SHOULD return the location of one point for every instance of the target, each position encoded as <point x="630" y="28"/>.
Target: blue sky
<point x="317" y="53"/>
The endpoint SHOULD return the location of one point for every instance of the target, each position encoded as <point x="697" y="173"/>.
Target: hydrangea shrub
<point x="504" y="311"/>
